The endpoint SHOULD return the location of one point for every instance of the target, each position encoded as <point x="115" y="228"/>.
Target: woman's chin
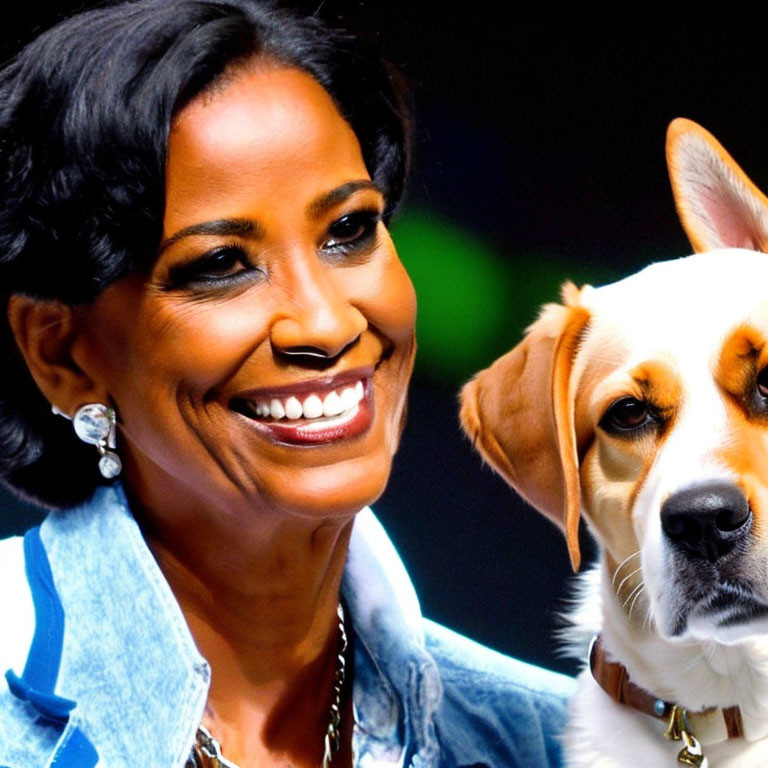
<point x="330" y="492"/>
<point x="324" y="469"/>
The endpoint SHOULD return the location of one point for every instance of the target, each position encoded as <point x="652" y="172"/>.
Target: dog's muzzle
<point x="707" y="521"/>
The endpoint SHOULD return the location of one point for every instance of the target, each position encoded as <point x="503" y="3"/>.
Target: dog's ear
<point x="519" y="414"/>
<point x="718" y="205"/>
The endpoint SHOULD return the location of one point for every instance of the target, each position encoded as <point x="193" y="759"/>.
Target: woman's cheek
<point x="208" y="341"/>
<point x="387" y="298"/>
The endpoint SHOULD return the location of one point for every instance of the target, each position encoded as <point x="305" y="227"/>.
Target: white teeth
<point x="276" y="409"/>
<point x="332" y="405"/>
<point x="349" y="398"/>
<point x="313" y="407"/>
<point x="293" y="408"/>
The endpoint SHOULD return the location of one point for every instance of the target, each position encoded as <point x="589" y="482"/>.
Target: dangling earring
<point x="96" y="424"/>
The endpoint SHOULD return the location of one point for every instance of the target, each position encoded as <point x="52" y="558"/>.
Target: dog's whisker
<point x="621" y="565"/>
<point x="639" y="592"/>
<point x="640" y="586"/>
<point x="625" y="580"/>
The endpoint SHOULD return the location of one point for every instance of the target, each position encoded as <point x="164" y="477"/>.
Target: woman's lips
<point x="321" y="414"/>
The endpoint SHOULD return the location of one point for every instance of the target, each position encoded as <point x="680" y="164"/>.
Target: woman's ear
<point x="46" y="332"/>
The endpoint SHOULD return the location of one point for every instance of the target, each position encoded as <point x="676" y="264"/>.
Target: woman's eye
<point x="627" y="414"/>
<point x="220" y="266"/>
<point x="355" y="230"/>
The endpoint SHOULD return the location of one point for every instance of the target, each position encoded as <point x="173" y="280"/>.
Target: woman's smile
<point x="277" y="317"/>
<point x="312" y="412"/>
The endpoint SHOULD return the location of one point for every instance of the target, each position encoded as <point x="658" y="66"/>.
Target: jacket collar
<point x="126" y="640"/>
<point x="397" y="684"/>
<point x="129" y="660"/>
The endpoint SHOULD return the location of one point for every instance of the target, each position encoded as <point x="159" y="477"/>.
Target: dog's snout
<point x="707" y="521"/>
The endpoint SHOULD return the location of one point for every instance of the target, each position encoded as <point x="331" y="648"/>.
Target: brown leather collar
<point x="613" y="678"/>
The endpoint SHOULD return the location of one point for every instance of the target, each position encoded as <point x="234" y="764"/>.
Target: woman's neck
<point x="260" y="598"/>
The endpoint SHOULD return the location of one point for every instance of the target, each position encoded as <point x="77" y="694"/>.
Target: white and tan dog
<point x="643" y="405"/>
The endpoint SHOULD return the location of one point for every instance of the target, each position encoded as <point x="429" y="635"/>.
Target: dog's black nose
<point x="707" y="521"/>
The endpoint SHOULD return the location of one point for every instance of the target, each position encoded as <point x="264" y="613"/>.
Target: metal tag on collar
<point x="679" y="729"/>
<point x="692" y="753"/>
<point x="676" y="724"/>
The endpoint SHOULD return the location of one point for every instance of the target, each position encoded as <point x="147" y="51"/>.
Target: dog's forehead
<point x="685" y="306"/>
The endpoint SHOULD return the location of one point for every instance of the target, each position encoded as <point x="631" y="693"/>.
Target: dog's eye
<point x="762" y="382"/>
<point x="625" y="414"/>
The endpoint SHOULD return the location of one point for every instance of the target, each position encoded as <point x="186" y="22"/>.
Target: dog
<point x="642" y="406"/>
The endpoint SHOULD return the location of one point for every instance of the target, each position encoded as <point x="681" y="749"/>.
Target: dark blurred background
<point x="539" y="157"/>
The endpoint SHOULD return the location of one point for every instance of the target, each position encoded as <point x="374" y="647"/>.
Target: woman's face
<point x="265" y="359"/>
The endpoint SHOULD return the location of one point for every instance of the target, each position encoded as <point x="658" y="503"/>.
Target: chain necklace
<point x="207" y="753"/>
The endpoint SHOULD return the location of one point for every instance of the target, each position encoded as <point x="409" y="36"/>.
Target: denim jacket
<point x="111" y="675"/>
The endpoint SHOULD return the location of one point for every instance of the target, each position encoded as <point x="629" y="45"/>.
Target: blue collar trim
<point x="38" y="681"/>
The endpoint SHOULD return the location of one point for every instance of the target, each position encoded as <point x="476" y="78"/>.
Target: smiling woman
<point x="198" y="273"/>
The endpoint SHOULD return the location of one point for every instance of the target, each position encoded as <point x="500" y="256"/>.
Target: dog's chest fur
<point x="603" y="734"/>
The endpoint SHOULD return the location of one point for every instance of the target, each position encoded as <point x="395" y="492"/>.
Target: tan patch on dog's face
<point x="746" y="454"/>
<point x="740" y="372"/>
<point x="742" y="356"/>
<point x="615" y="461"/>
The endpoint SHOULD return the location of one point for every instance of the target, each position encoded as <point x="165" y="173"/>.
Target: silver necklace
<point x="207" y="752"/>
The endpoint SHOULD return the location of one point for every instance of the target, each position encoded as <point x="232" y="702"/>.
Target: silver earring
<point x="96" y="424"/>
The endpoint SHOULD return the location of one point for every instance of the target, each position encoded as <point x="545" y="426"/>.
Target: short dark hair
<point x="85" y="113"/>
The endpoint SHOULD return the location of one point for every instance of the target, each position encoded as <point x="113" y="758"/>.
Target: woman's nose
<point x="317" y="319"/>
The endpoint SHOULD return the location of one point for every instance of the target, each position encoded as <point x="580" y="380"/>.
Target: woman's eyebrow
<point x="217" y="227"/>
<point x="327" y="200"/>
<point x="248" y="227"/>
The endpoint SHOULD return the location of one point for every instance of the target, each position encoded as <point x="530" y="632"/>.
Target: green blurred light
<point x="474" y="303"/>
<point x="462" y="288"/>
